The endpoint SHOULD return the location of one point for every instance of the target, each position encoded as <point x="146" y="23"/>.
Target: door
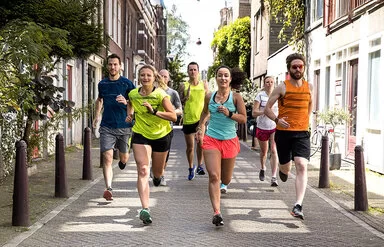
<point x="352" y="108"/>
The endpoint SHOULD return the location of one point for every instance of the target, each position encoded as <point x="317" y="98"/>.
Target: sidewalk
<point x="254" y="213"/>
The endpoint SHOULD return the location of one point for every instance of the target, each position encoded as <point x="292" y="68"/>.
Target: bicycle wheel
<point x="315" y="143"/>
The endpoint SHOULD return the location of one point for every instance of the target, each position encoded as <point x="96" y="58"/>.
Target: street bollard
<point x="20" y="213"/>
<point x="60" y="170"/>
<point x="361" y="200"/>
<point x="324" y="163"/>
<point x="87" y="165"/>
<point x="242" y="132"/>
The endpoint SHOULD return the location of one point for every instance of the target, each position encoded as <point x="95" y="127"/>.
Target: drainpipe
<point x="82" y="98"/>
<point x="65" y="81"/>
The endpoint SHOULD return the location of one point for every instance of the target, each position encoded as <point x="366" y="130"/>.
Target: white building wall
<point x="327" y="50"/>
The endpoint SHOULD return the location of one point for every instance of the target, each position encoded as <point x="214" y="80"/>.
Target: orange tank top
<point x="294" y="106"/>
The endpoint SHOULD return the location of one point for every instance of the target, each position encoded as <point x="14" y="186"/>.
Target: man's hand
<point x="121" y="99"/>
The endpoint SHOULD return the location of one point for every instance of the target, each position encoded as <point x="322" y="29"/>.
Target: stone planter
<point x="334" y="161"/>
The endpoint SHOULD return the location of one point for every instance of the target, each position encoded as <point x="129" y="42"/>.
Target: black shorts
<point x="162" y="144"/>
<point x="292" y="144"/>
<point x="190" y="128"/>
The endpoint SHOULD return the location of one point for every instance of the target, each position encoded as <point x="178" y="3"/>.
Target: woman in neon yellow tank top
<point x="151" y="131"/>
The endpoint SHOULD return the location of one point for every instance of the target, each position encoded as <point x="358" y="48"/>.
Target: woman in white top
<point x="265" y="131"/>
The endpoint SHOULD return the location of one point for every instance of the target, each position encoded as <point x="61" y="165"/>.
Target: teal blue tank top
<point x="220" y="126"/>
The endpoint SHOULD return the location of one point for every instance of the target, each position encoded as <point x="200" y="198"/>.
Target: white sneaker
<point x="162" y="181"/>
<point x="223" y="188"/>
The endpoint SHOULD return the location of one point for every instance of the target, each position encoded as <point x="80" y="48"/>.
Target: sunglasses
<point x="300" y="67"/>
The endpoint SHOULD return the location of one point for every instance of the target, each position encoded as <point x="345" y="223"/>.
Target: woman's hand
<point x="199" y="136"/>
<point x="223" y="110"/>
<point x="149" y="107"/>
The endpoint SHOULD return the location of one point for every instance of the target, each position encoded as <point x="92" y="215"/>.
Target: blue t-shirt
<point x="220" y="126"/>
<point x="114" y="113"/>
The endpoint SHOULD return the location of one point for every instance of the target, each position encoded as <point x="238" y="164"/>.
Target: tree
<point x="34" y="37"/>
<point x="233" y="46"/>
<point x="289" y="14"/>
<point x="177" y="39"/>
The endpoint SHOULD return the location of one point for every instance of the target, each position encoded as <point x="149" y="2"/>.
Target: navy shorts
<point x="292" y="144"/>
<point x="162" y="144"/>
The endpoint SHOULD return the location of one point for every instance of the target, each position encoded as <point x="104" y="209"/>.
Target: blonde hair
<point x="159" y="81"/>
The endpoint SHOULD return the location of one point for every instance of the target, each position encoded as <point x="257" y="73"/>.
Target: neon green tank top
<point x="147" y="124"/>
<point x="195" y="104"/>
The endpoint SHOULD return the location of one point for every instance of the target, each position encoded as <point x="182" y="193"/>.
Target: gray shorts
<point x="111" y="138"/>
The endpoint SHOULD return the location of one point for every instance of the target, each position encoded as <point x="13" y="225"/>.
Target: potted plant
<point x="334" y="117"/>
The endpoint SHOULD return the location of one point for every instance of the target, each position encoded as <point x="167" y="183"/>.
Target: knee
<point x="214" y="178"/>
<point x="142" y="171"/>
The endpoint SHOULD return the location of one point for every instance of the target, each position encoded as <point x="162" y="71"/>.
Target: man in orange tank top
<point x="294" y="98"/>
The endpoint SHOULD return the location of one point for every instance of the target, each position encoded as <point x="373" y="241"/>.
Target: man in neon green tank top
<point x="192" y="95"/>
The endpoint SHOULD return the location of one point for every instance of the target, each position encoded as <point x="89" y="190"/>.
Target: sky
<point x="203" y="18"/>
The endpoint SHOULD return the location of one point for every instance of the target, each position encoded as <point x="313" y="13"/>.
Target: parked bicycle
<point x="316" y="137"/>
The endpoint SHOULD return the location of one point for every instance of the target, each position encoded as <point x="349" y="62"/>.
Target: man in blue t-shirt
<point x="114" y="131"/>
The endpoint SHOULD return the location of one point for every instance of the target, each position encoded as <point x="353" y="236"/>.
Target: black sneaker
<point x="200" y="170"/>
<point x="261" y="175"/>
<point x="217" y="220"/>
<point x="283" y="177"/>
<point x="156" y="181"/>
<point x="297" y="211"/>
<point x="122" y="165"/>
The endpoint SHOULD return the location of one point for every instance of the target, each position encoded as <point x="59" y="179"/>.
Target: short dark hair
<point x="292" y="57"/>
<point x="113" y="55"/>
<point x="193" y="63"/>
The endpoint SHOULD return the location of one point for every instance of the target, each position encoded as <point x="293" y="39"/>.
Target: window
<point x="114" y="21"/>
<point x="316" y="10"/>
<point x="335" y="9"/>
<point x="257" y="31"/>
<point x="374" y="87"/>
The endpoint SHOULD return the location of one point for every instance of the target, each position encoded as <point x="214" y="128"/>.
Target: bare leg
<point x="142" y="156"/>
<point x="274" y="159"/>
<point x="190" y="142"/>
<point x="212" y="159"/>
<point x="107" y="167"/>
<point x="301" y="178"/>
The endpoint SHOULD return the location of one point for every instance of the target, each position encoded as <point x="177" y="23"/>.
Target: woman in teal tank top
<point x="220" y="143"/>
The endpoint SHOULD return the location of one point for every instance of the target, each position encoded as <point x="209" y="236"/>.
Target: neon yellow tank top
<point x="195" y="104"/>
<point x="147" y="124"/>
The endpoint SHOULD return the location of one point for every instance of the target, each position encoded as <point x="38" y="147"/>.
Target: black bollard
<point x="324" y="163"/>
<point x="87" y="165"/>
<point x="20" y="213"/>
<point x="60" y="171"/>
<point x="361" y="200"/>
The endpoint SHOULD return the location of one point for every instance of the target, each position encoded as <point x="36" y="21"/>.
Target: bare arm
<point x="98" y="107"/>
<point x="200" y="130"/>
<point x="183" y="97"/>
<point x="310" y="105"/>
<point x="255" y="110"/>
<point x="278" y="92"/>
<point x="241" y="115"/>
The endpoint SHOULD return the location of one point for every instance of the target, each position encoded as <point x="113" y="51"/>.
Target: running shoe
<point x="156" y="181"/>
<point x="108" y="194"/>
<point x="283" y="177"/>
<point x="274" y="182"/>
<point x="122" y="165"/>
<point x="262" y="175"/>
<point x="162" y="181"/>
<point x="145" y="216"/>
<point x="217" y="220"/>
<point x="191" y="172"/>
<point x="297" y="211"/>
<point x="200" y="170"/>
<point x="223" y="188"/>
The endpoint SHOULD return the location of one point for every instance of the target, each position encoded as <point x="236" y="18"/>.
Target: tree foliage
<point x="177" y="40"/>
<point x="233" y="46"/>
<point x="291" y="14"/>
<point x="34" y="36"/>
<point x="78" y="18"/>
